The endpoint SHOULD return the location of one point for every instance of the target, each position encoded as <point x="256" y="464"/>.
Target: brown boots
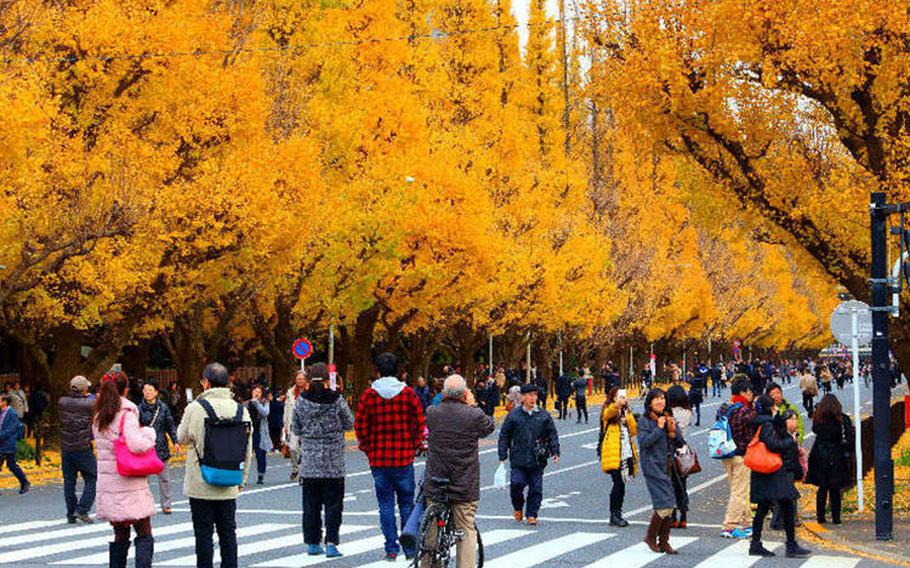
<point x="658" y="535"/>
<point x="663" y="537"/>
<point x="653" y="531"/>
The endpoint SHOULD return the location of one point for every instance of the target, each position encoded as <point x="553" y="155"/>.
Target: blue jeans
<point x="533" y="480"/>
<point x="392" y="482"/>
<point x="73" y="464"/>
<point x="260" y="454"/>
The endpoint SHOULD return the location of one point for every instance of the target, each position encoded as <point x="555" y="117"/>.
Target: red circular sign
<point x="302" y="349"/>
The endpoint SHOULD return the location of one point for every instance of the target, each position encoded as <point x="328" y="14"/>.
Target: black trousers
<point x="821" y="496"/>
<point x="319" y="493"/>
<point x="221" y="515"/>
<point x="618" y="493"/>
<point x="562" y="405"/>
<point x="788" y="515"/>
<point x="581" y="406"/>
<point x="809" y="402"/>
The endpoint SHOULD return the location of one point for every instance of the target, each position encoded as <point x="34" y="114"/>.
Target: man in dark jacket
<point x="76" y="456"/>
<point x="563" y="392"/>
<point x="580" y="386"/>
<point x="527" y="439"/>
<point x="157" y="415"/>
<point x="455" y="427"/>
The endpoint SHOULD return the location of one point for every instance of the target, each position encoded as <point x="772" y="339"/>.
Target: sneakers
<point x="518" y="516"/>
<point x="737" y="533"/>
<point x="390" y="557"/>
<point x="532" y="521"/>
<point x="331" y="551"/>
<point x="84" y="518"/>
<point x="314" y="550"/>
<point x="25" y="488"/>
<point x="166" y="510"/>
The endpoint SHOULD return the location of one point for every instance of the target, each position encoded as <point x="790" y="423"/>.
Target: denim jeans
<point x="392" y="482"/>
<point x="533" y="480"/>
<point x="14" y="468"/>
<point x="221" y="515"/>
<point x="81" y="462"/>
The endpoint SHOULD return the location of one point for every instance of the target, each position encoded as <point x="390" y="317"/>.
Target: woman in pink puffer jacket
<point x="123" y="501"/>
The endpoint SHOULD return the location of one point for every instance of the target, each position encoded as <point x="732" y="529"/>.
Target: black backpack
<point x="226" y="441"/>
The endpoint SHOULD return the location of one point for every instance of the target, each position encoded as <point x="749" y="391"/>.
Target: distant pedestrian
<point x="581" y="385"/>
<point x="618" y="456"/>
<point x="212" y="506"/>
<point x="157" y="415"/>
<point x="390" y="427"/>
<point x="491" y="396"/>
<point x="658" y="439"/>
<point x="76" y="455"/>
<point x="809" y="387"/>
<point x="698" y="384"/>
<point x="778" y="487"/>
<point x="563" y="392"/>
<point x="276" y="417"/>
<point x="125" y="502"/>
<point x="321" y="417"/>
<point x="11" y="431"/>
<point x="831" y="458"/>
<point x="258" y="407"/>
<point x="19" y="400"/>
<point x="38" y="400"/>
<point x="528" y="439"/>
<point x="289" y="438"/>
<point x="423" y="393"/>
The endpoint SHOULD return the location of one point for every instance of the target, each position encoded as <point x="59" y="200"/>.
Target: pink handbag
<point x="135" y="465"/>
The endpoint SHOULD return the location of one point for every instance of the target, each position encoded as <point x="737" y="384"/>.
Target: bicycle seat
<point x="441" y="482"/>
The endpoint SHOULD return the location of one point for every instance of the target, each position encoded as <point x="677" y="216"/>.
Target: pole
<point x="881" y="371"/>
<point x="528" y="361"/>
<point x="858" y="451"/>
<point x="331" y="344"/>
<point x="631" y="365"/>
<point x="491" y="354"/>
<point x="560" y="353"/>
<point x="709" y="351"/>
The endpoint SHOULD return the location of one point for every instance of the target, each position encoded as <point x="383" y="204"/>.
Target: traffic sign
<point x="302" y="349"/>
<point x="842" y="323"/>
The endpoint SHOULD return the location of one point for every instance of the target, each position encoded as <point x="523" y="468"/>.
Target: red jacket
<point x="389" y="430"/>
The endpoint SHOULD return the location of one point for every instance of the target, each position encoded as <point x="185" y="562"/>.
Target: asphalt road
<point x="573" y="528"/>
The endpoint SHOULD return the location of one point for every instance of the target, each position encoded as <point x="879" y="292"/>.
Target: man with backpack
<point x="734" y="421"/>
<point x="217" y="433"/>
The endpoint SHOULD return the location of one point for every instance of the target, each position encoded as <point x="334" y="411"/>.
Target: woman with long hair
<point x="778" y="487"/>
<point x="658" y="438"/>
<point x="831" y="456"/>
<point x="123" y="501"/>
<point x="679" y="404"/>
<point x="618" y="456"/>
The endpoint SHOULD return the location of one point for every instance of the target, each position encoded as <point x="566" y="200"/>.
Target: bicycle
<point x="438" y="552"/>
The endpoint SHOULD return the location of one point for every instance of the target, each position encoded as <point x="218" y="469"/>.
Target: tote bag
<point x="135" y="465"/>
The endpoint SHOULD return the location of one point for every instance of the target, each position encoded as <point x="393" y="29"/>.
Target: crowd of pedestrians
<point x="394" y="422"/>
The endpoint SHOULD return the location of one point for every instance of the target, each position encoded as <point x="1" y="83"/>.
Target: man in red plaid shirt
<point x="390" y="426"/>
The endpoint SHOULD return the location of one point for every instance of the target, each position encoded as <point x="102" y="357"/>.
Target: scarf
<point x="740" y="399"/>
<point x="625" y="449"/>
<point x="297" y="391"/>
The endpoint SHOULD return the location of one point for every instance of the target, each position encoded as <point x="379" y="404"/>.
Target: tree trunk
<point x="136" y="357"/>
<point x="358" y="350"/>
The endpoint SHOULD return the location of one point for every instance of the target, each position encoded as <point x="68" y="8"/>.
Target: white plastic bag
<point x="500" y="478"/>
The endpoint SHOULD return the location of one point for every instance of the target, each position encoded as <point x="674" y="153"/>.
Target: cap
<point x="79" y="383"/>
<point x="530" y="387"/>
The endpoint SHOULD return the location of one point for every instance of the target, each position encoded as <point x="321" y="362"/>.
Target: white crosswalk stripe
<point x="735" y="555"/>
<point x="163" y="547"/>
<point x="279" y="545"/>
<point x="638" y="555"/>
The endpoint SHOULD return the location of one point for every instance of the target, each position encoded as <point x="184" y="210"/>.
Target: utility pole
<point x="881" y="369"/>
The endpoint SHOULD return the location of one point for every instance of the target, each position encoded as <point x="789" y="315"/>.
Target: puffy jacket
<point x="191" y="433"/>
<point x="519" y="435"/>
<point x="609" y="446"/>
<point x="320" y="421"/>
<point x="158" y="417"/>
<point x="11" y="429"/>
<point x="455" y="429"/>
<point x="75" y="422"/>
<point x="121" y="498"/>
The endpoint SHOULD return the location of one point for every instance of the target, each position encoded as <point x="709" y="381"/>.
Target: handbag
<point x="686" y="461"/>
<point x="760" y="459"/>
<point x="135" y="465"/>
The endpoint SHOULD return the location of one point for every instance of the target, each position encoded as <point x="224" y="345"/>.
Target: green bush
<point x="24" y="451"/>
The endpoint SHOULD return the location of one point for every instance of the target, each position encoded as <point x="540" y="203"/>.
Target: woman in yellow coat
<point x="618" y="456"/>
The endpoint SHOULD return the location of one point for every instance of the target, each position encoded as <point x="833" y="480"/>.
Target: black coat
<point x="780" y="485"/>
<point x="563" y="386"/>
<point x="75" y="422"/>
<point x="831" y="458"/>
<point x="454" y="430"/>
<point x="163" y="426"/>
<point x="520" y="433"/>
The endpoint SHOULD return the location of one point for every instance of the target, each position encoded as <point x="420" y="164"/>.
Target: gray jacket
<point x="321" y="419"/>
<point x="654" y="447"/>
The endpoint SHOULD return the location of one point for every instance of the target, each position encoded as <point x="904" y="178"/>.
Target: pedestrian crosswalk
<point x="279" y="545"/>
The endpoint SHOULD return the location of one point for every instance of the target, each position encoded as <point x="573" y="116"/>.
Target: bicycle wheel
<point x="430" y="548"/>
<point x="479" y="548"/>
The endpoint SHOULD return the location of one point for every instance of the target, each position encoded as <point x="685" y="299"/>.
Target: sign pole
<point x="560" y="353"/>
<point x="528" y="361"/>
<point x="331" y="344"/>
<point x="858" y="452"/>
<point x="491" y="355"/>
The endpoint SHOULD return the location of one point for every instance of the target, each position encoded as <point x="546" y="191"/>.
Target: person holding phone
<point x="618" y="456"/>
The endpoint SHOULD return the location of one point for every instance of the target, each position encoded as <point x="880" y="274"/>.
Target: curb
<point x="823" y="534"/>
